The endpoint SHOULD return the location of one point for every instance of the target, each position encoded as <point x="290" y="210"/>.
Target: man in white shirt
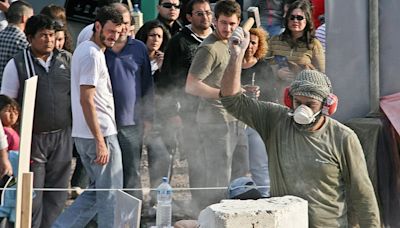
<point x="94" y="128"/>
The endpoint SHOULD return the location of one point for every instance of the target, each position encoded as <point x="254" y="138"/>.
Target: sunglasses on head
<point x="297" y="17"/>
<point x="58" y="25"/>
<point x="169" y="5"/>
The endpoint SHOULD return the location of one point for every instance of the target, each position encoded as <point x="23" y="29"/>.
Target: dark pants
<point x="130" y="141"/>
<point x="51" y="155"/>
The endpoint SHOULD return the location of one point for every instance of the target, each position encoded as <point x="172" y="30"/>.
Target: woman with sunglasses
<point x="297" y="48"/>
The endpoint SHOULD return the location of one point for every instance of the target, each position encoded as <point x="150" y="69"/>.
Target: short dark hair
<point x="17" y="10"/>
<point x="37" y="23"/>
<point x="143" y="32"/>
<point x="108" y="13"/>
<point x="227" y="8"/>
<point x="189" y="7"/>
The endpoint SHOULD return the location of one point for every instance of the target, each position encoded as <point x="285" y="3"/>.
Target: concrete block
<point x="277" y="212"/>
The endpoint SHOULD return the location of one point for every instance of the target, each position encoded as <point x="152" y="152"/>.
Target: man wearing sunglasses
<point x="168" y="13"/>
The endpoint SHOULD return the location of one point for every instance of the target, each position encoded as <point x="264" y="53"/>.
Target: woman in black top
<point x="256" y="69"/>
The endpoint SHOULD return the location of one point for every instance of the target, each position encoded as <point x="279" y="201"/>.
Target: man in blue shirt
<point x="129" y="68"/>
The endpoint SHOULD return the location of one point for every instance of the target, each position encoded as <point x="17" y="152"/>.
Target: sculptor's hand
<point x="239" y="41"/>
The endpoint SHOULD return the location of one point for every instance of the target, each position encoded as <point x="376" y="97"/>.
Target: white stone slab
<point x="277" y="212"/>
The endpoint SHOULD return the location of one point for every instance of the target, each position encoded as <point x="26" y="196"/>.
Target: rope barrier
<point x="123" y="189"/>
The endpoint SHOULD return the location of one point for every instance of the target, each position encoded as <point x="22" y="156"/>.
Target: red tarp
<point x="391" y="107"/>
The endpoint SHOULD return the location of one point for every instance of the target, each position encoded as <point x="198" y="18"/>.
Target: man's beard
<point x="103" y="39"/>
<point x="307" y="127"/>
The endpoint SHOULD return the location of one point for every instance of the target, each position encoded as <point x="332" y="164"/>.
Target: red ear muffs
<point x="287" y="98"/>
<point x="329" y="106"/>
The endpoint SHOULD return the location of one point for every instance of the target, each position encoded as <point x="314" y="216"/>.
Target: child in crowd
<point x="9" y="113"/>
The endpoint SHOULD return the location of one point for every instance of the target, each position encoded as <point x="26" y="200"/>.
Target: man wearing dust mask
<point x="308" y="113"/>
<point x="310" y="155"/>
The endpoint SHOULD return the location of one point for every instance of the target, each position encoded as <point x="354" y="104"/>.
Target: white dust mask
<point x="304" y="115"/>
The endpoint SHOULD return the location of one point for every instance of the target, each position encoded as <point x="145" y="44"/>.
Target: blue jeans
<point x="92" y="203"/>
<point x="258" y="161"/>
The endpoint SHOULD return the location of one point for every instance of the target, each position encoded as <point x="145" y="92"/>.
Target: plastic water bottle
<point x="138" y="17"/>
<point x="164" y="204"/>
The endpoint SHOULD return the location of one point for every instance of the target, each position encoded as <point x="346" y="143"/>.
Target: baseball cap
<point x="243" y="188"/>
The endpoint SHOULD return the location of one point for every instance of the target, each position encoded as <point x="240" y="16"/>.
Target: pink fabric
<point x="390" y="105"/>
<point x="12" y="138"/>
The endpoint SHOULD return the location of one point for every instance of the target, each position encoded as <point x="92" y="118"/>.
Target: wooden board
<point x="28" y="106"/>
<point x="26" y="207"/>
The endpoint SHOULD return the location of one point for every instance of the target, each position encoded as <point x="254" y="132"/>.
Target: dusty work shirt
<point x="325" y="167"/>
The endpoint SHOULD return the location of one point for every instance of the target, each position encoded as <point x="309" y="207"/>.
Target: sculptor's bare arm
<point x="230" y="83"/>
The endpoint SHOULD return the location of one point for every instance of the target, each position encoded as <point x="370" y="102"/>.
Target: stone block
<point x="277" y="212"/>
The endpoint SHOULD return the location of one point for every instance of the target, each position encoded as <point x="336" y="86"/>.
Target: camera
<point x="281" y="60"/>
